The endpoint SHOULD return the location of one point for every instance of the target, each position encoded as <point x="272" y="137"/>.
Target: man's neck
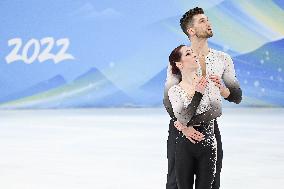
<point x="200" y="46"/>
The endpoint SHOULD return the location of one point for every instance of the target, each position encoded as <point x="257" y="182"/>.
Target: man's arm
<point x="231" y="82"/>
<point x="168" y="105"/>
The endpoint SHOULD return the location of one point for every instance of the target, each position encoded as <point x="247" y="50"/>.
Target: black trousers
<point x="199" y="159"/>
<point x="171" y="148"/>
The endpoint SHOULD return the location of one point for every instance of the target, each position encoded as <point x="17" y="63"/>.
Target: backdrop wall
<point x="70" y="54"/>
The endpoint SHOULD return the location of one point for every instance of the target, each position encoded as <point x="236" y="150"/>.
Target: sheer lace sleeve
<point x="231" y="81"/>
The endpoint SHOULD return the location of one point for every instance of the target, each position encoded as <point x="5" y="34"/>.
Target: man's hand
<point x="189" y="132"/>
<point x="224" y="91"/>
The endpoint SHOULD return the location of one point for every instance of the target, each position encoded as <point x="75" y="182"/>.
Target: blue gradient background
<point x="121" y="50"/>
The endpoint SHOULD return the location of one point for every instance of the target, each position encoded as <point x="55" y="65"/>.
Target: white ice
<point x="126" y="148"/>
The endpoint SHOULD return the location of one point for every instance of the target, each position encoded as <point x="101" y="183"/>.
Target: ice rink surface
<point x="126" y="148"/>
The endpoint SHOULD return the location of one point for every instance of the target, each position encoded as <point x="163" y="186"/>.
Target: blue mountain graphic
<point x="40" y="87"/>
<point x="261" y="73"/>
<point x="103" y="93"/>
<point x="88" y="90"/>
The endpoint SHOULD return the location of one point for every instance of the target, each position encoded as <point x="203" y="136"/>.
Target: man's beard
<point x="204" y="34"/>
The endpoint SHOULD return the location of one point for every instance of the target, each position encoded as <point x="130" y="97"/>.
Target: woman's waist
<point x="207" y="124"/>
<point x="205" y="128"/>
<point x="212" y="105"/>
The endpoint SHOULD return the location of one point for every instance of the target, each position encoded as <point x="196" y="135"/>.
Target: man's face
<point x="202" y="26"/>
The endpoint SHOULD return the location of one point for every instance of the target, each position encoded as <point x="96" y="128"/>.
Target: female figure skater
<point x="189" y="98"/>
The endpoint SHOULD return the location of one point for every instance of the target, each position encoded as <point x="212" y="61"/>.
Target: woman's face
<point x="188" y="60"/>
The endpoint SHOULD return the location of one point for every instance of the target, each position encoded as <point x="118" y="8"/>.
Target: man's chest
<point x="211" y="65"/>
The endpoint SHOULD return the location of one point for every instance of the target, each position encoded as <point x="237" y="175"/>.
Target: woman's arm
<point x="204" y="117"/>
<point x="183" y="111"/>
<point x="196" y="119"/>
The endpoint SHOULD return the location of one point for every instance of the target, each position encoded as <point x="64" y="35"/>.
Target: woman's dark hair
<point x="174" y="57"/>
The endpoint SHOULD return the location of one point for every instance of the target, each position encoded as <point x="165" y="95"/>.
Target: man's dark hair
<point x="187" y="18"/>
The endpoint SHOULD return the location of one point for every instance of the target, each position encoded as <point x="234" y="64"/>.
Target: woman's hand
<point x="200" y="87"/>
<point x="189" y="132"/>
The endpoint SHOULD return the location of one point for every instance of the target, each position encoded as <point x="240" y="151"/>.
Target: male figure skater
<point x="218" y="68"/>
